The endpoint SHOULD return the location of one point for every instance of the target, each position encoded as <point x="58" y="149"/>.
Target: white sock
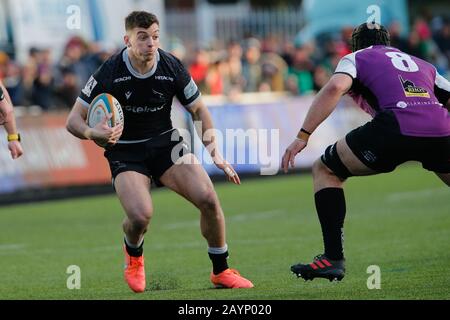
<point x="218" y="250"/>
<point x="134" y="246"/>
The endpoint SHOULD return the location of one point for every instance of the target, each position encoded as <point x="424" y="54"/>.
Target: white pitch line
<point x="401" y="196"/>
<point x="11" y="246"/>
<point x="236" y="218"/>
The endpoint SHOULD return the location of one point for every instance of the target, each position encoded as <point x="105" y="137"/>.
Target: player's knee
<point x="140" y="217"/>
<point x="319" y="169"/>
<point x="140" y="223"/>
<point x="209" y="201"/>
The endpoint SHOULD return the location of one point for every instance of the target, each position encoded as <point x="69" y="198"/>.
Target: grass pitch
<point x="399" y="222"/>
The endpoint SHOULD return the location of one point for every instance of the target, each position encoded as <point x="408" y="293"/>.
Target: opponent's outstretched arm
<point x="322" y="106"/>
<point x="8" y="119"/>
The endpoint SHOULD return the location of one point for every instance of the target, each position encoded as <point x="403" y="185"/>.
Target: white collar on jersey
<point x="130" y="68"/>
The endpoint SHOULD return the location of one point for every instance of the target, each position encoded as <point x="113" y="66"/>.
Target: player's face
<point x="144" y="42"/>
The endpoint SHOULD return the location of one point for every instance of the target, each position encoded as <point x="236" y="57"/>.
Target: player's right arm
<point x="102" y="133"/>
<point x="9" y="121"/>
<point x="76" y="122"/>
<point x="6" y="110"/>
<point x="323" y="105"/>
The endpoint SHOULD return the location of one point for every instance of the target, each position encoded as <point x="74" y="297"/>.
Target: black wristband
<point x="307" y="132"/>
<point x="2" y="95"/>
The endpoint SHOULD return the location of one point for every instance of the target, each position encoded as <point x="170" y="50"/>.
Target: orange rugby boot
<point x="134" y="272"/>
<point x="230" y="278"/>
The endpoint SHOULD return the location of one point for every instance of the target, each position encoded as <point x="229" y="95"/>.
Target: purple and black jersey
<point x="387" y="79"/>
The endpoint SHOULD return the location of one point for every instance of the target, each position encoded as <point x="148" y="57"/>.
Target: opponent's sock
<point x="134" y="250"/>
<point x="330" y="205"/>
<point x="219" y="258"/>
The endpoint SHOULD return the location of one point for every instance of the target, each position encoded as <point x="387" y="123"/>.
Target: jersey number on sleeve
<point x="403" y="62"/>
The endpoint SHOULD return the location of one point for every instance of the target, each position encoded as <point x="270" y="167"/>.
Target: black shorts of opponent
<point x="380" y="146"/>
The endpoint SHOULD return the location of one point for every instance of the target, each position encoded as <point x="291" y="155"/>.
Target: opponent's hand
<point x="289" y="156"/>
<point x="16" y="149"/>
<point x="232" y="175"/>
<point x="103" y="134"/>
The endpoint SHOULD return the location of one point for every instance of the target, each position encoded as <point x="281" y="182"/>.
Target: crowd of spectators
<point x="248" y="65"/>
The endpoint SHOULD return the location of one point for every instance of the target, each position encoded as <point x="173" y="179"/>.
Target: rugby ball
<point x="101" y="106"/>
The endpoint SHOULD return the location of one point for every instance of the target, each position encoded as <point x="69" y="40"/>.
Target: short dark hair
<point x="140" y="19"/>
<point x="370" y="34"/>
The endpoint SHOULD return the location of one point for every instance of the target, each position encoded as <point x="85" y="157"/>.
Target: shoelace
<point x="319" y="257"/>
<point x="235" y="272"/>
<point x="135" y="263"/>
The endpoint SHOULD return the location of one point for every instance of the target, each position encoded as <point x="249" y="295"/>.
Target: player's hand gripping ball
<point x="103" y="105"/>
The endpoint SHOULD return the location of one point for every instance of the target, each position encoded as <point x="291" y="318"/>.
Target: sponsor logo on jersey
<point x="411" y="90"/>
<point x="369" y="156"/>
<point x="144" y="109"/>
<point x="128" y="78"/>
<point x="402" y="104"/>
<point x="161" y="95"/>
<point x="128" y="94"/>
<point x="90" y="85"/>
<point x="190" y="90"/>
<point x="164" y="78"/>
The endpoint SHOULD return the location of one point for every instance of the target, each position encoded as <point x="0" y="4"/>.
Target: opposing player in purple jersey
<point x="409" y="102"/>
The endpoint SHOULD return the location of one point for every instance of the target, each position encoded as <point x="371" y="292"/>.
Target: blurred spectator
<point x="300" y="74"/>
<point x="42" y="92"/>
<point x="177" y="48"/>
<point x="251" y="66"/>
<point x="75" y="57"/>
<point x="274" y="71"/>
<point x="397" y="40"/>
<point x="215" y="79"/>
<point x="29" y="74"/>
<point x="10" y="73"/>
<point x="288" y="52"/>
<point x="442" y="39"/>
<point x="4" y="59"/>
<point x="321" y="77"/>
<point x="343" y="46"/>
<point x="199" y="69"/>
<point x="414" y="45"/>
<point x="67" y="91"/>
<point x="236" y="78"/>
<point x="424" y="33"/>
<point x="272" y="63"/>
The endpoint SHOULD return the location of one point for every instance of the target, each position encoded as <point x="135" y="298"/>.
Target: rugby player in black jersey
<point x="145" y="79"/>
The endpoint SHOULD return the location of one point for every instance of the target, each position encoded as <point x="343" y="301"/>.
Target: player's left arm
<point x="9" y="121"/>
<point x="189" y="96"/>
<point x="199" y="112"/>
<point x="322" y="106"/>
